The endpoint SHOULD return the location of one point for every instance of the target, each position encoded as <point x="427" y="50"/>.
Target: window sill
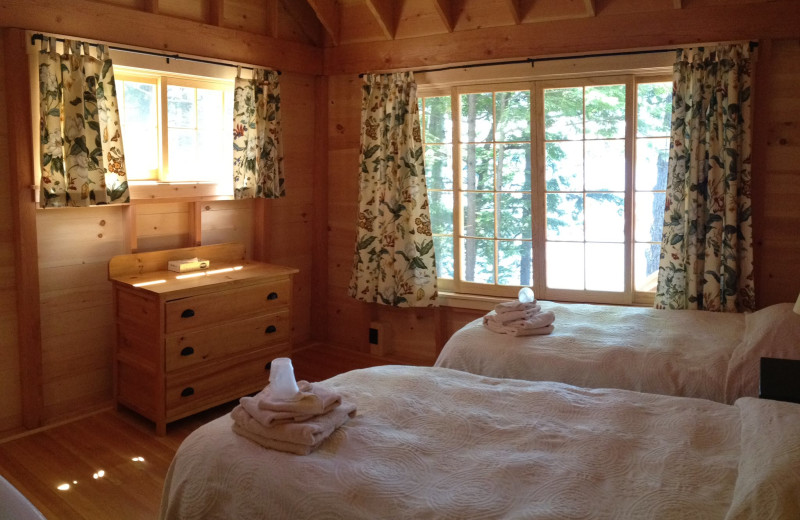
<point x="469" y="301"/>
<point x="487" y="303"/>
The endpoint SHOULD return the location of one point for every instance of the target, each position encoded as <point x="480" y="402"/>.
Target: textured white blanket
<point x="438" y="443"/>
<point x="683" y="353"/>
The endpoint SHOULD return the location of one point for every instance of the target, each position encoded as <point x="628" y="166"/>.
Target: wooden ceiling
<point x="332" y="23"/>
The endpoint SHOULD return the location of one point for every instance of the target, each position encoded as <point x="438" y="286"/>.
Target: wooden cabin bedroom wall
<point x="418" y="335"/>
<point x="75" y="244"/>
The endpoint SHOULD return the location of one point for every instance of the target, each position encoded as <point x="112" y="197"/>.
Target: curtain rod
<point x="533" y="61"/>
<point x="40" y="36"/>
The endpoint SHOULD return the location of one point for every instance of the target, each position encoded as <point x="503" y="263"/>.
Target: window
<point x="175" y="128"/>
<point x="557" y="185"/>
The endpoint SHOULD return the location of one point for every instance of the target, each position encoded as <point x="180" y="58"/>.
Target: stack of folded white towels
<point x="297" y="425"/>
<point x="519" y="318"/>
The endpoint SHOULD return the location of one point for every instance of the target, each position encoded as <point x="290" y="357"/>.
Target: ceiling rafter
<point x="329" y="14"/>
<point x="306" y="19"/>
<point x="591" y="7"/>
<point x="385" y="12"/>
<point x="677" y="4"/>
<point x="513" y="7"/>
<point x="444" y="8"/>
<point x="215" y="12"/>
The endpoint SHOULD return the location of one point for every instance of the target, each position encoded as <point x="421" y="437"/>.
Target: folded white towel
<point x="514" y="305"/>
<point x="288" y="447"/>
<point x="502" y="329"/>
<point x="507" y="317"/>
<point x="542" y="319"/>
<point x="295" y="437"/>
<point x="315" y="400"/>
<point x="523" y="327"/>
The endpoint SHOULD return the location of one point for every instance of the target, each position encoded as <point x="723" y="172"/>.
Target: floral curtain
<point x="82" y="158"/>
<point x="707" y="245"/>
<point x="257" y="147"/>
<point x="394" y="260"/>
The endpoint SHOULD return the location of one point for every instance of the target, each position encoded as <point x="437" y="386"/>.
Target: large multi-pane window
<point x="175" y="128"/>
<point x="555" y="185"/>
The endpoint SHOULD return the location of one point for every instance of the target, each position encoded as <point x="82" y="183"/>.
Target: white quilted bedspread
<point x="683" y="353"/>
<point x="438" y="443"/>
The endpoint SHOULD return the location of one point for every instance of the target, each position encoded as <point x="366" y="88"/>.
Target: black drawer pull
<point x="268" y="366"/>
<point x="272" y="296"/>
<point x="188" y="313"/>
<point x="187" y="351"/>
<point x="270" y="329"/>
<point x="186" y="392"/>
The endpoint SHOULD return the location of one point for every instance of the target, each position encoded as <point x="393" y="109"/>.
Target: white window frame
<point x="469" y="294"/>
<point x="162" y="80"/>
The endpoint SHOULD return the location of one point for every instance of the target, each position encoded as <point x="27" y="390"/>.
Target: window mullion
<point x="538" y="192"/>
<point x="630" y="133"/>
<point x="455" y="111"/>
<point x="163" y="115"/>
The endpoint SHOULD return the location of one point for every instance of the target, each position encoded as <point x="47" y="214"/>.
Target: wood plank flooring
<point x="114" y="463"/>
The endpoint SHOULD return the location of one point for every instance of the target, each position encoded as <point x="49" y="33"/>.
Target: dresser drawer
<point x="232" y="304"/>
<point x="192" y="390"/>
<point x="189" y="348"/>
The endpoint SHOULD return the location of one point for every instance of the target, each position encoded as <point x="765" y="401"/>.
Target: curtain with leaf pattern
<point x="257" y="140"/>
<point x="82" y="158"/>
<point x="394" y="260"/>
<point x="707" y="246"/>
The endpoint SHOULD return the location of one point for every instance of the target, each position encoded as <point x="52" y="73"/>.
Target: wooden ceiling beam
<point x="385" y="13"/>
<point x="591" y="7"/>
<point x="216" y="13"/>
<point x="513" y="8"/>
<point x="677" y="4"/>
<point x="445" y="10"/>
<point x="329" y="14"/>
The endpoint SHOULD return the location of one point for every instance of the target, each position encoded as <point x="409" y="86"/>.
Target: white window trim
<point x="160" y="188"/>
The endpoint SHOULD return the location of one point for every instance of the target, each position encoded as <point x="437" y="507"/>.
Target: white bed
<point x="683" y="353"/>
<point x="439" y="443"/>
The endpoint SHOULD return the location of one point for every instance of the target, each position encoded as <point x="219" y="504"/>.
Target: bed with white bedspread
<point x="438" y="443"/>
<point x="701" y="354"/>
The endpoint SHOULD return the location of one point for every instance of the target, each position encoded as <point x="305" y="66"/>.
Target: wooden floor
<point x="113" y="462"/>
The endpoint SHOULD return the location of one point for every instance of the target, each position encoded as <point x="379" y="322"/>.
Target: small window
<point x="176" y="128"/>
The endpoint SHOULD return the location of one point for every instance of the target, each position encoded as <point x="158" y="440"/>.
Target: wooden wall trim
<point x="319" y="275"/>
<point x="24" y="216"/>
<point x="761" y="90"/>
<point x="123" y="26"/>
<point x="629" y="31"/>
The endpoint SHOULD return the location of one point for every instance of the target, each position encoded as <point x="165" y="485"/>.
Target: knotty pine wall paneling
<point x="19" y="142"/>
<point x="10" y="389"/>
<point x="78" y="330"/>
<point x="776" y="175"/>
<point x="348" y="318"/>
<point x="290" y="220"/>
<point x="162" y="225"/>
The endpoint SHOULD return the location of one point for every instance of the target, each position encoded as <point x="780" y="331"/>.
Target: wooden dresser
<point x="190" y="341"/>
